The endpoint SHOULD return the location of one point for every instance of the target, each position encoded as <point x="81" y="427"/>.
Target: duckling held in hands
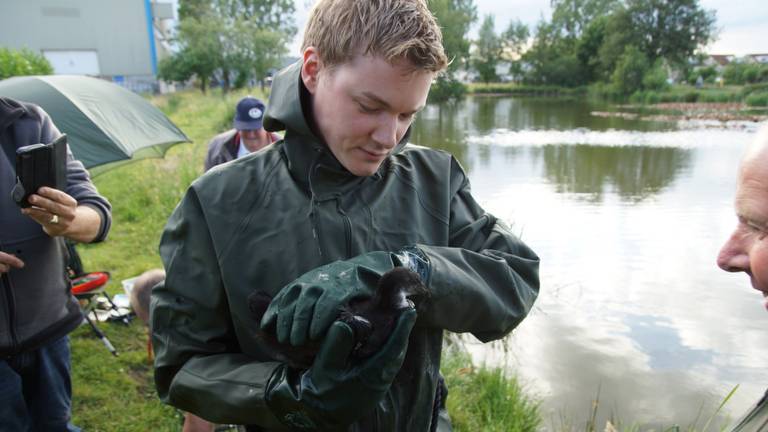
<point x="371" y="319"/>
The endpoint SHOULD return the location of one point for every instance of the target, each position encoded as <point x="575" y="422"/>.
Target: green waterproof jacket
<point x="263" y="220"/>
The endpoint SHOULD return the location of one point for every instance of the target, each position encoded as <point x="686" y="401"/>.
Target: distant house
<point x="120" y="40"/>
<point x="757" y="58"/>
<point x="719" y="60"/>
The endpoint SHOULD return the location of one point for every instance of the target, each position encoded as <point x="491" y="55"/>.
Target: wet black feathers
<point x="371" y="319"/>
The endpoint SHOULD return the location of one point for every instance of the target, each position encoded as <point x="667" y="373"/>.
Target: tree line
<point x="235" y="42"/>
<point x="628" y="44"/>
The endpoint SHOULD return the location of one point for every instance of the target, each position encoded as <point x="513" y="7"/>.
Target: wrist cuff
<point x="414" y="259"/>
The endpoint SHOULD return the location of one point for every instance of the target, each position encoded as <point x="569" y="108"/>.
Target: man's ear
<point x="310" y="69"/>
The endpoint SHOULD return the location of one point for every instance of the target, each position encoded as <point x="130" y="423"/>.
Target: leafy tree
<point x="489" y="49"/>
<point x="588" y="47"/>
<point x="655" y="77"/>
<point x="201" y="51"/>
<point x="514" y="40"/>
<point x="630" y="71"/>
<point x="228" y="39"/>
<point x="745" y="73"/>
<point x="552" y="59"/>
<point x="618" y="35"/>
<point x="707" y="73"/>
<point x="455" y="18"/>
<point x="175" y="68"/>
<point x="571" y="18"/>
<point x="22" y="62"/>
<point x="586" y="40"/>
<point x="276" y="15"/>
<point x="670" y="29"/>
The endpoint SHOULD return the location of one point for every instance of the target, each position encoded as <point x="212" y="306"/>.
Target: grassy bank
<point x="753" y="95"/>
<point x="513" y="89"/>
<point x="117" y="393"/>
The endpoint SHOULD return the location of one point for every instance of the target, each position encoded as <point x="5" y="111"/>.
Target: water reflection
<point x="627" y="217"/>
<point x="634" y="173"/>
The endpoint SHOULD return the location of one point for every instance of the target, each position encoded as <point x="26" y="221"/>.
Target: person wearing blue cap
<point x="246" y="136"/>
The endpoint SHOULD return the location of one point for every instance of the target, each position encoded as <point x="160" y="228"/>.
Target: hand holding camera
<point x="53" y="209"/>
<point x="41" y="175"/>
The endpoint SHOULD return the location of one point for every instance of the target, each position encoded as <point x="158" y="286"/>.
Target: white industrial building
<point x="120" y="40"/>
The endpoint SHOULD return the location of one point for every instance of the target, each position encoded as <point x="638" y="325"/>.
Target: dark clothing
<point x="224" y="146"/>
<point x="264" y="220"/>
<point x="36" y="391"/>
<point x="36" y="306"/>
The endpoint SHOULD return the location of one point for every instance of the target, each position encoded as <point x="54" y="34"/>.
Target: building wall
<point x="116" y="30"/>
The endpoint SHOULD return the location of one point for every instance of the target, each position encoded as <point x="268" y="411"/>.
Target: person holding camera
<point x="37" y="309"/>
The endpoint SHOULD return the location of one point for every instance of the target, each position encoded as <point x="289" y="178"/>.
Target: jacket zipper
<point x="10" y="301"/>
<point x="347" y="227"/>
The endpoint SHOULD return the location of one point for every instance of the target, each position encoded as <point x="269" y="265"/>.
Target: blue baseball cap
<point x="249" y="114"/>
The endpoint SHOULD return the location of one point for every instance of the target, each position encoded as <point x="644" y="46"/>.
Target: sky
<point x="743" y="24"/>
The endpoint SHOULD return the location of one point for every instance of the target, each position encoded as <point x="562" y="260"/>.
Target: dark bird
<point x="371" y="319"/>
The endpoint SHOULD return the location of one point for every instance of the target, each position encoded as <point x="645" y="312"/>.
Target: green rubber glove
<point x="333" y="393"/>
<point x="303" y="310"/>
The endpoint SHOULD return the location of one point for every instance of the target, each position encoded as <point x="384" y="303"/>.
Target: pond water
<point x="627" y="217"/>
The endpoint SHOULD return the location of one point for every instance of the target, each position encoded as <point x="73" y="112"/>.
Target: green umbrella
<point x="105" y="124"/>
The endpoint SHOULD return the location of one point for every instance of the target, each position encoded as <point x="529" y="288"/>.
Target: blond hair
<point x="390" y="29"/>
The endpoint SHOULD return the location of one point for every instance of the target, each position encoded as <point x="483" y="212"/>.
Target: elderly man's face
<point x="747" y="248"/>
<point x="254" y="139"/>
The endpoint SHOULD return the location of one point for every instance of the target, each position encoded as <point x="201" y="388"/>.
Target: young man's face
<point x="363" y="108"/>
<point x="747" y="248"/>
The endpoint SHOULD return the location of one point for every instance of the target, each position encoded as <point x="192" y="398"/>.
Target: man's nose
<point x="386" y="131"/>
<point x="733" y="256"/>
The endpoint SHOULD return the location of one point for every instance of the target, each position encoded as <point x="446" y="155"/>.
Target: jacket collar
<point x="307" y="154"/>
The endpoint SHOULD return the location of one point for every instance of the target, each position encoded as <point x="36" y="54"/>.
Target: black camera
<point x="39" y="165"/>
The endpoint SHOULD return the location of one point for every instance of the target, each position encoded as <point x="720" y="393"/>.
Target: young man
<point x="246" y="136"/>
<point x="37" y="309"/>
<point x="340" y="201"/>
<point x="747" y="248"/>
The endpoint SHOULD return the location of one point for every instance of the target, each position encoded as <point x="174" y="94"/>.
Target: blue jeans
<point x="36" y="390"/>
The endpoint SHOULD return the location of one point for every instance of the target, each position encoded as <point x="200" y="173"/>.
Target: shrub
<point x="446" y="88"/>
<point x="655" y="78"/>
<point x="630" y="71"/>
<point x="745" y="73"/>
<point x="716" y="97"/>
<point x="22" y="62"/>
<point x="754" y="88"/>
<point x="690" y="96"/>
<point x="758" y="99"/>
<point x="652" y="97"/>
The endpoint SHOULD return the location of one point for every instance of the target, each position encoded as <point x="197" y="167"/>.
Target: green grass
<point x="758" y="99"/>
<point x="523" y="89"/>
<point x="486" y="398"/>
<point x="676" y="93"/>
